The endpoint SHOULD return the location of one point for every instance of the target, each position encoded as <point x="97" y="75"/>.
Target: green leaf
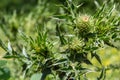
<point x="5" y="30"/>
<point x="94" y="48"/>
<point x="114" y="35"/>
<point x="97" y="57"/>
<point x="58" y="33"/>
<point x="87" y="62"/>
<point x="110" y="44"/>
<point x="23" y="36"/>
<point x="2" y="45"/>
<point x="100" y="11"/>
<point x="102" y="75"/>
<point x="9" y="56"/>
<point x="66" y="69"/>
<point x="50" y="77"/>
<point x="61" y="61"/>
<point x="2" y="62"/>
<point x="36" y="76"/>
<point x="65" y="16"/>
<point x="91" y="35"/>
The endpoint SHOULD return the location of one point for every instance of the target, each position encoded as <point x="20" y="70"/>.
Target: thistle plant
<point x="68" y="54"/>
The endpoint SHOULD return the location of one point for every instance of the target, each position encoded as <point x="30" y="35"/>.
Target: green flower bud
<point x="83" y="25"/>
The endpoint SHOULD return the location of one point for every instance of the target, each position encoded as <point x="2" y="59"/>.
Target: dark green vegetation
<point x="59" y="40"/>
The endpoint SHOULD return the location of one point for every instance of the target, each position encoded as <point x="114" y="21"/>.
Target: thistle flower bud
<point x="85" y="18"/>
<point x="82" y="24"/>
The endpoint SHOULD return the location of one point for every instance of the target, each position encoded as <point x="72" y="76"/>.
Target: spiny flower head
<point x="83" y="24"/>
